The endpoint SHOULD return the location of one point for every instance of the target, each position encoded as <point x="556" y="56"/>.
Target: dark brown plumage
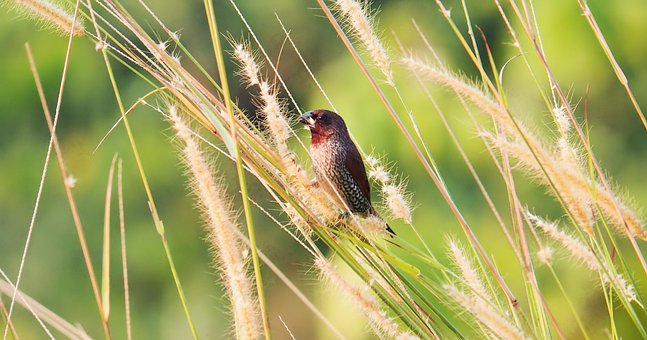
<point x="338" y="164"/>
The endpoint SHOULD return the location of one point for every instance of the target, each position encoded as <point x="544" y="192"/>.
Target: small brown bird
<point x="337" y="163"/>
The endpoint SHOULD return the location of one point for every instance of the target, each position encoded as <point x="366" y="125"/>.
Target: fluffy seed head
<point x="272" y="109"/>
<point x="372" y="161"/>
<point x="545" y="255"/>
<point x="577" y="249"/>
<point x="578" y="192"/>
<point x="561" y="119"/>
<point x="379" y="174"/>
<point x="278" y="128"/>
<point x="51" y="15"/>
<point x="399" y="204"/>
<point x="358" y="18"/>
<point x="220" y="222"/>
<point x="381" y="323"/>
<point x="586" y="256"/>
<point x="468" y="272"/>
<point x="485" y="314"/>
<point x="249" y="66"/>
<point x="70" y="181"/>
<point x="624" y="287"/>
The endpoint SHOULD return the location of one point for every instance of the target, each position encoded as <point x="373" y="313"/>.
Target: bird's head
<point x="323" y="123"/>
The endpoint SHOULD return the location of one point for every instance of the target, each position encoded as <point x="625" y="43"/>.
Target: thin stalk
<point x="587" y="148"/>
<point x="105" y="266"/>
<point x="578" y="320"/>
<point x="586" y="11"/>
<point x="159" y="226"/>
<point x="215" y="40"/>
<point x="65" y="175"/>
<point x="437" y="181"/>
<point x="122" y="236"/>
<point x="41" y="313"/>
<point x="5" y="313"/>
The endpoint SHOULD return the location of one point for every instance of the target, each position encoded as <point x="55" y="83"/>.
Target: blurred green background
<point x="55" y="274"/>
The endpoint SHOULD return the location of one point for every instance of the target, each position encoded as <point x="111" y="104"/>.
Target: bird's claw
<point x="341" y="220"/>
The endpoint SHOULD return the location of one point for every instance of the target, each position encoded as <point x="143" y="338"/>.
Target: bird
<point x="338" y="165"/>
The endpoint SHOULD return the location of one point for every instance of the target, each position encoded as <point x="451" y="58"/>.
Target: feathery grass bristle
<point x="219" y="220"/>
<point x="469" y="274"/>
<point x="577" y="249"/>
<point x="360" y="21"/>
<point x="364" y="300"/>
<point x="545" y="255"/>
<point x="50" y="15"/>
<point x="586" y="256"/>
<point x="279" y="129"/>
<point x="485" y="314"/>
<point x="397" y="201"/>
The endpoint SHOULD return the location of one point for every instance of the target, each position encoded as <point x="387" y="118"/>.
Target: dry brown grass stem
<point x="66" y="176"/>
<point x="40" y="312"/>
<point x="218" y="216"/>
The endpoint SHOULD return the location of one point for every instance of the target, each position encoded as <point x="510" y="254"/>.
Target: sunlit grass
<point x="404" y="286"/>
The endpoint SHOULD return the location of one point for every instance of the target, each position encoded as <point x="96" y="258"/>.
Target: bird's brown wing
<point x="355" y="166"/>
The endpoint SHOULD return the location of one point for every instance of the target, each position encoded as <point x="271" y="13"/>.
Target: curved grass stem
<point x="159" y="226"/>
<point x="434" y="176"/>
<point x="215" y="40"/>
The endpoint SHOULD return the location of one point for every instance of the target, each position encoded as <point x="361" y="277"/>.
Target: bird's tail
<point x="388" y="227"/>
<point x="389" y="230"/>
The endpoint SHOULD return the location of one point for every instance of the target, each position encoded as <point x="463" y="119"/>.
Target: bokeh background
<point x="55" y="274"/>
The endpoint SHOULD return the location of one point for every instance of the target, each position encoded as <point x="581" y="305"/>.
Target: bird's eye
<point x="323" y="118"/>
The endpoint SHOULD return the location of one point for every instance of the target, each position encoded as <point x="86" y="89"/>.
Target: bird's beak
<point x="307" y="119"/>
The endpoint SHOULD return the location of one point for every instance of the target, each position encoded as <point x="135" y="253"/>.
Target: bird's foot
<point x="341" y="220"/>
<point x="314" y="184"/>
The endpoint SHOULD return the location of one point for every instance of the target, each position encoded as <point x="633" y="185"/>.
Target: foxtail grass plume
<point x="469" y="274"/>
<point x="395" y="198"/>
<point x="566" y="151"/>
<point x="371" y="225"/>
<point x="483" y="312"/>
<point x="561" y="119"/>
<point x="471" y="92"/>
<point x="583" y="254"/>
<point x="397" y="201"/>
<point x="383" y="325"/>
<point x="357" y="16"/>
<point x="578" y="193"/>
<point x="575" y="190"/>
<point x="249" y="70"/>
<point x="545" y="255"/>
<point x="379" y="174"/>
<point x="219" y="221"/>
<point x="50" y="15"/>
<point x="279" y="129"/>
<point x="377" y="171"/>
<point x="577" y="249"/>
